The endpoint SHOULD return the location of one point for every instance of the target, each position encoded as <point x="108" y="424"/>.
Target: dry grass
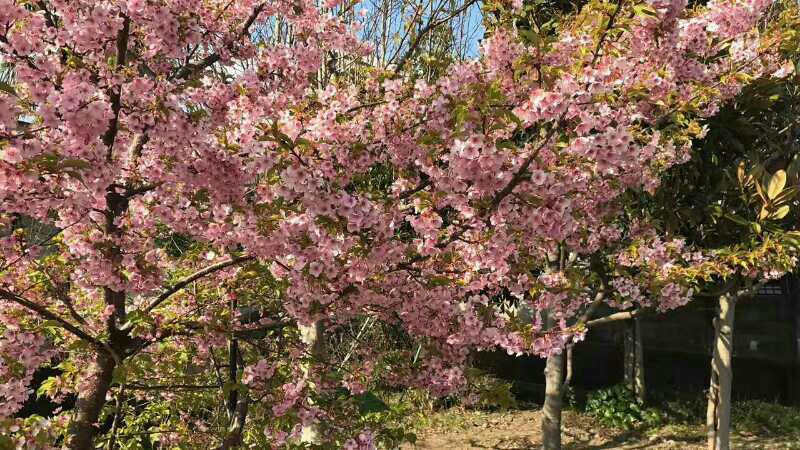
<point x="457" y="429"/>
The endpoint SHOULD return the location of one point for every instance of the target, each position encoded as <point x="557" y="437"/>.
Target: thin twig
<point x="168" y="292"/>
<point x="49" y="315"/>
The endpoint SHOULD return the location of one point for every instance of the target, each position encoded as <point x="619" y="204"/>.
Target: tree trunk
<point x="629" y="360"/>
<point x="718" y="417"/>
<point x="634" y="359"/>
<point x="553" y="402"/>
<point x="118" y="414"/>
<point x="638" y="372"/>
<point x="233" y="368"/>
<point x="313" y="336"/>
<point x="236" y="429"/>
<point x="90" y="403"/>
<point x="553" y="375"/>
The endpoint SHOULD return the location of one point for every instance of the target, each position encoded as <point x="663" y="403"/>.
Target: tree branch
<point x="49" y="315"/>
<point x="142" y="344"/>
<point x="170" y="387"/>
<point x="190" y="69"/>
<point x="408" y="193"/>
<point x="598" y="299"/>
<point x="616" y="317"/>
<point x="425" y="30"/>
<point x="603" y="37"/>
<point x="233" y="438"/>
<point x="116" y="94"/>
<point x="143" y="189"/>
<point x="168" y="292"/>
<point x="627" y="315"/>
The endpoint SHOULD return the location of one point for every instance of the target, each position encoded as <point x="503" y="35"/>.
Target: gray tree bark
<point x="553" y="402"/>
<point x="718" y="415"/>
<point x="236" y="429"/>
<point x="82" y="428"/>
<point x="314" y="337"/>
<point x="634" y="359"/>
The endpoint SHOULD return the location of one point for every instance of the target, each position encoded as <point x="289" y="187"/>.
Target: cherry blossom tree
<point x="737" y="201"/>
<point x="558" y="204"/>
<point x="127" y="146"/>
<point x="206" y="188"/>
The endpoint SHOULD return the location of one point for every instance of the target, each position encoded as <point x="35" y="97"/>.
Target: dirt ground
<point x="518" y="430"/>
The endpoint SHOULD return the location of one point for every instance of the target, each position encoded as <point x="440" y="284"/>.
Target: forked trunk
<point x="237" y="400"/>
<point x="718" y="417"/>
<point x="83" y="427"/>
<point x="233" y="439"/>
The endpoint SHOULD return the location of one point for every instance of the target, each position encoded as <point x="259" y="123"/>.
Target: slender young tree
<point x="737" y="199"/>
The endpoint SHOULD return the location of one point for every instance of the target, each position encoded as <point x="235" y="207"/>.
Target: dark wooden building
<point x="678" y="346"/>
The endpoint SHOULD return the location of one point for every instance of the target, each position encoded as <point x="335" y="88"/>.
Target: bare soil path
<point x="519" y="430"/>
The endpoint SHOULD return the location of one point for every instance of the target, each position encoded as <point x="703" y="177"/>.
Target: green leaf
<point x="460" y="114"/>
<point x="741" y="174"/>
<point x="761" y="192"/>
<point x="370" y="403"/>
<point x="764" y="213"/>
<point x="430" y="138"/>
<point x="530" y="35"/>
<point x="6" y="442"/>
<point x="786" y="195"/>
<point x="792" y="239"/>
<point x="229" y="387"/>
<point x="644" y="10"/>
<point x="304" y="142"/>
<point x="776" y="184"/>
<point x="505" y="144"/>
<point x="780" y="213"/>
<point x="7" y="88"/>
<point x="793" y="170"/>
<point x="47" y="388"/>
<point x="74" y="164"/>
<point x="512" y="117"/>
<point x="439" y="281"/>
<point x="737" y="219"/>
